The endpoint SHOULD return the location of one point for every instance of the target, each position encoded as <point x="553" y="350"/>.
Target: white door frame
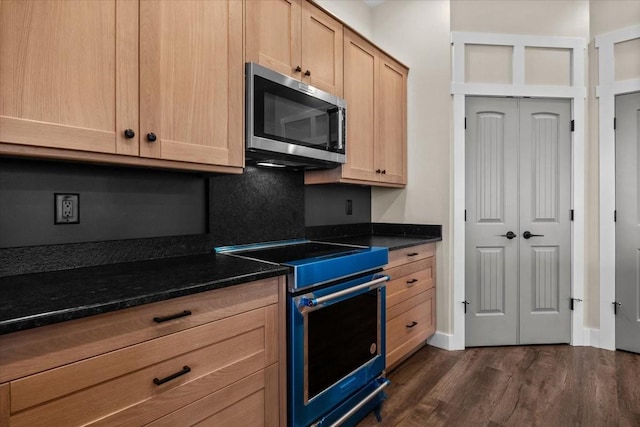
<point x="576" y="92"/>
<point x="606" y="91"/>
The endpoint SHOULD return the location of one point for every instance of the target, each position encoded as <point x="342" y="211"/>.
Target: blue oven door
<point x="336" y="345"/>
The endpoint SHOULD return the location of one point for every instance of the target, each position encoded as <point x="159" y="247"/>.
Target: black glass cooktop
<point x="298" y="251"/>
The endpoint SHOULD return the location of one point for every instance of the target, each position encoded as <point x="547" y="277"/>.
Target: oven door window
<point x="340" y="338"/>
<point x="287" y="115"/>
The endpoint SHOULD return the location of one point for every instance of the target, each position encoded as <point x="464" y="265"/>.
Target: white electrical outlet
<point x="66" y="208"/>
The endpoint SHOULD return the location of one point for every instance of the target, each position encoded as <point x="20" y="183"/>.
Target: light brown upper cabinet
<point x="295" y="38"/>
<point x="376" y="94"/>
<point x="151" y="83"/>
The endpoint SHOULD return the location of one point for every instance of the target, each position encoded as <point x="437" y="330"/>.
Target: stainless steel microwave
<point x="289" y="123"/>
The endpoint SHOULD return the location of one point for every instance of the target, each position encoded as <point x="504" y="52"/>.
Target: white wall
<point x="417" y="33"/>
<point x="355" y="13"/>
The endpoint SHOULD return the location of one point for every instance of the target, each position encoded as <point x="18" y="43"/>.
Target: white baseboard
<point x="594" y="337"/>
<point x="441" y="340"/>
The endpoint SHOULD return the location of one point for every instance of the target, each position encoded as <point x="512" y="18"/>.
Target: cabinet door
<point x="69" y="74"/>
<point x="391" y="120"/>
<point x="322" y="41"/>
<point x="273" y="35"/>
<point x="360" y="68"/>
<point x="191" y="72"/>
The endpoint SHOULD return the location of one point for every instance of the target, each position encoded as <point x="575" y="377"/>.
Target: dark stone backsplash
<point x="37" y="259"/>
<point x="260" y="205"/>
<point x="257" y="206"/>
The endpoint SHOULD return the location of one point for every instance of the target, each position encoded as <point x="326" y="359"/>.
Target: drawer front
<point x="35" y="350"/>
<point x="413" y="253"/>
<point x="244" y="403"/>
<point x="402" y="337"/>
<point x="418" y="278"/>
<point x="120" y="385"/>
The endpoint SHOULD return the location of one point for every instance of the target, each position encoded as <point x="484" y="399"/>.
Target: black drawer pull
<point x="185" y="370"/>
<point x="412" y="254"/>
<point x="412" y="325"/>
<point x="171" y="317"/>
<point x="409" y="282"/>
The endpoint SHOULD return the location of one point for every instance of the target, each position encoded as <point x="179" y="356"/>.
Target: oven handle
<point x="360" y="404"/>
<point x="373" y="284"/>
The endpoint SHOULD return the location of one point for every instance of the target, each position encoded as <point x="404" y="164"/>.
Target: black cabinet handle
<point x="378" y="170"/>
<point x="409" y="282"/>
<point x="528" y="235"/>
<point x="172" y="316"/>
<point x="129" y="133"/>
<point x="510" y="235"/>
<point x="185" y="370"/>
<point x="384" y="171"/>
<point x="307" y="73"/>
<point x="151" y="137"/>
<point x="412" y="254"/>
<point x="412" y="325"/>
<point x="297" y="69"/>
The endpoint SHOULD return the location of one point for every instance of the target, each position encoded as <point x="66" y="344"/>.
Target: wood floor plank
<point x="550" y="385"/>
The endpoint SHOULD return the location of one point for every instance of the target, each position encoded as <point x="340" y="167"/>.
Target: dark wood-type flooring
<point x="551" y="385"/>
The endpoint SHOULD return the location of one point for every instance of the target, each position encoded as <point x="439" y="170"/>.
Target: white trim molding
<point x="607" y="90"/>
<point x="441" y="340"/>
<point x="576" y="92"/>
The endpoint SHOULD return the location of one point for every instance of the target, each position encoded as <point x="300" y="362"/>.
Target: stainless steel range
<point x="336" y="335"/>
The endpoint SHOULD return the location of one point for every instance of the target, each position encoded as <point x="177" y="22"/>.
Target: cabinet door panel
<point x="273" y="35"/>
<point x="322" y="45"/>
<point x="191" y="71"/>
<point x="360" y="65"/>
<point x="68" y="74"/>
<point x="391" y="104"/>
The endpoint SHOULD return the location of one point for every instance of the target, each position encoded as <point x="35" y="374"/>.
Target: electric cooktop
<point x="313" y="263"/>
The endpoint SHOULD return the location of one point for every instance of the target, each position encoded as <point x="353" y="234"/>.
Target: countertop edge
<point x="51" y="318"/>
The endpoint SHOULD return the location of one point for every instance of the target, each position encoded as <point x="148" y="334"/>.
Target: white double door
<point x="628" y="222"/>
<point x="518" y="231"/>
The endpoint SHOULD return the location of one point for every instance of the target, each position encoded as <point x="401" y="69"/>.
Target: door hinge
<point x="465" y="122"/>
<point x="573" y="125"/>
<point x="614" y="123"/>
<point x="465" y="215"/>
<point x="615" y="216"/>
<point x="571" y="215"/>
<point x="573" y="301"/>
<point x="466" y="303"/>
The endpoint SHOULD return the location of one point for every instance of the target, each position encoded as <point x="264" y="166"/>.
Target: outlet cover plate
<point x="62" y="215"/>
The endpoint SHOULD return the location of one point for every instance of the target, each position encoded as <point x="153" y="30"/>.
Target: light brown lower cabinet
<point x="221" y="365"/>
<point x="411" y="298"/>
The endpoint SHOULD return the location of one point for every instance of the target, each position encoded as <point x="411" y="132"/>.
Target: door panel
<point x="191" y="69"/>
<point x="322" y="46"/>
<point x="273" y="35"/>
<point x="545" y="203"/>
<point x="492" y="210"/>
<point x="68" y="74"/>
<point x="628" y="222"/>
<point x="360" y="62"/>
<point x="391" y="121"/>
<point x="518" y="157"/>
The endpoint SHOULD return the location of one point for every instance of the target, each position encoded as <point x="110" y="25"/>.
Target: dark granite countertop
<point x="389" y="235"/>
<point x="390" y="242"/>
<point x="39" y="299"/>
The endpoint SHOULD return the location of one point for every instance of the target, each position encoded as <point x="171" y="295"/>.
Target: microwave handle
<point x="341" y="128"/>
